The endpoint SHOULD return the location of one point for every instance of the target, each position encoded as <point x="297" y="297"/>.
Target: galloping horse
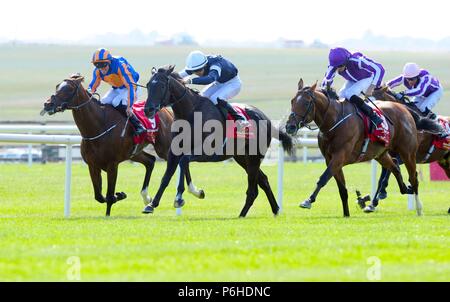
<point x="103" y="146"/>
<point x="165" y="88"/>
<point x="341" y="139"/>
<point x="426" y="153"/>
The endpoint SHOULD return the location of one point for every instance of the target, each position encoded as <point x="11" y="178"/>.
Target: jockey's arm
<point x="211" y="77"/>
<point x="126" y="77"/>
<point x="329" y="77"/>
<point x="96" y="80"/>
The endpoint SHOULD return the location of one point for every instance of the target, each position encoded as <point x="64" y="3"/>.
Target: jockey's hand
<point x="129" y="111"/>
<point x="369" y="91"/>
<point x="187" y="81"/>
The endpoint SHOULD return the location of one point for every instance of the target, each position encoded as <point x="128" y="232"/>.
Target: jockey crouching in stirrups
<point x="222" y="79"/>
<point x="117" y="72"/>
<point x="362" y="75"/>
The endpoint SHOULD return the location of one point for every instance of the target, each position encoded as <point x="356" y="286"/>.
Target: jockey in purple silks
<point x="425" y="89"/>
<point x="362" y="75"/>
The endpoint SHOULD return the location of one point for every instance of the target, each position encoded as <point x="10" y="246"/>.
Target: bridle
<point x="300" y="120"/>
<point x="65" y="104"/>
<point x="166" y="94"/>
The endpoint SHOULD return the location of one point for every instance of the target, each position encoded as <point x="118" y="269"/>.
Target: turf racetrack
<point x="208" y="242"/>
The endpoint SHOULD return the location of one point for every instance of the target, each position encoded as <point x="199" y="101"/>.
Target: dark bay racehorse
<point x="103" y="147"/>
<point x="425" y="152"/>
<point x="166" y="89"/>
<point x="341" y="139"/>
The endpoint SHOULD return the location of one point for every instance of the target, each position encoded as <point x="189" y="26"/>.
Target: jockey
<point x="425" y="89"/>
<point x="117" y="72"/>
<point x="362" y="75"/>
<point x="222" y="79"/>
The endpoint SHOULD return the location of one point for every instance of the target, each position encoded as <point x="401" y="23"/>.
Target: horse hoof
<point x="178" y="203"/>
<point x="120" y="196"/>
<point x="369" y="209"/>
<point x="148" y="210"/>
<point x="306" y="204"/>
<point x="202" y="194"/>
<point x="382" y="195"/>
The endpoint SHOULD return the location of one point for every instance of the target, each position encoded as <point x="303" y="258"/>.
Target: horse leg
<point x="383" y="183"/>
<point x="191" y="187"/>
<point x="111" y="196"/>
<point x="386" y="161"/>
<point x="149" y="162"/>
<point x="340" y="180"/>
<point x="183" y="164"/>
<point x="253" y="164"/>
<point x="410" y="164"/>
<point x="334" y="165"/>
<point x="96" y="178"/>
<point x="172" y="163"/>
<point x="263" y="182"/>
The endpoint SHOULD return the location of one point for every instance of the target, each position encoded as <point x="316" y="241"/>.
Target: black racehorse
<point x="165" y="88"/>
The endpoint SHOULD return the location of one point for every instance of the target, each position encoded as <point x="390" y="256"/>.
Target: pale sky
<point x="237" y="20"/>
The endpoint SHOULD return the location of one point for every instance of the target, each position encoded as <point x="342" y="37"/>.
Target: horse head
<point x="65" y="95"/>
<point x="159" y="93"/>
<point x="302" y="108"/>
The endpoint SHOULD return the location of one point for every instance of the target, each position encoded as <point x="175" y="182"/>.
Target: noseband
<point x="65" y="104"/>
<point x="300" y="120"/>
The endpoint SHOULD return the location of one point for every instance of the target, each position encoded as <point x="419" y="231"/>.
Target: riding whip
<point x="125" y="127"/>
<point x="387" y="117"/>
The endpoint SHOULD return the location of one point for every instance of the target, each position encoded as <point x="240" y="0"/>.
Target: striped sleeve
<point x="126" y="77"/>
<point x="96" y="80"/>
<point x="395" y="82"/>
<point x="421" y="88"/>
<point x="376" y="69"/>
<point x="329" y="76"/>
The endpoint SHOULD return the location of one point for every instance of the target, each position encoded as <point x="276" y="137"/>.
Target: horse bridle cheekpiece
<point x="300" y="120"/>
<point x="165" y="101"/>
<point x="65" y="104"/>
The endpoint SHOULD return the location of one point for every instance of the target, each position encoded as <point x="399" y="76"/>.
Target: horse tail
<point x="425" y="124"/>
<point x="286" y="140"/>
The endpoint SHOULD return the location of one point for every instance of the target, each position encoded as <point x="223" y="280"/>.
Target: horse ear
<point x="171" y="69"/>
<point x="154" y="70"/>
<point x="313" y="87"/>
<point x="77" y="77"/>
<point x="300" y="84"/>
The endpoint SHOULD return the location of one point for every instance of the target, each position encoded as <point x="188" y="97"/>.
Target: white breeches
<point x="119" y="96"/>
<point x="428" y="102"/>
<point x="351" y="88"/>
<point x="224" y="91"/>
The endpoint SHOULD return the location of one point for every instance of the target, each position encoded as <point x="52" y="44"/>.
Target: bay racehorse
<point x="107" y="140"/>
<point x="342" y="136"/>
<point x="426" y="152"/>
<point x="165" y="88"/>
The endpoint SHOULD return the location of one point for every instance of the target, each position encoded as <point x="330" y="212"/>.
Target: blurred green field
<point x="30" y="73"/>
<point x="208" y="242"/>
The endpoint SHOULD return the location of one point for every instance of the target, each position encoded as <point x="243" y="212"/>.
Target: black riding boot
<point x="138" y="128"/>
<point x="229" y="109"/>
<point x="366" y="109"/>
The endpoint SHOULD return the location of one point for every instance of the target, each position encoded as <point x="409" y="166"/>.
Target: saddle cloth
<point x="152" y="125"/>
<point x="443" y="143"/>
<point x="232" y="131"/>
<point x="381" y="133"/>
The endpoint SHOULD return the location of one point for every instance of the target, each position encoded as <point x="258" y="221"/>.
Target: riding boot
<point x="240" y="120"/>
<point x="432" y="116"/>
<point x="366" y="109"/>
<point x="138" y="128"/>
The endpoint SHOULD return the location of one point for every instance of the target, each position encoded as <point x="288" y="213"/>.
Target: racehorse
<point x="341" y="139"/>
<point x="166" y="88"/>
<point x="107" y="141"/>
<point x="426" y="152"/>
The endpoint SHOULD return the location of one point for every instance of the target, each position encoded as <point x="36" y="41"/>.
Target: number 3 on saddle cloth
<point x="381" y="133"/>
<point x="232" y="131"/>
<point x="151" y="125"/>
<point x="443" y="143"/>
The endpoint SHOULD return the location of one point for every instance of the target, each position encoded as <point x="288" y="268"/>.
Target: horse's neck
<point x="184" y="108"/>
<point x="90" y="118"/>
<point x="327" y="113"/>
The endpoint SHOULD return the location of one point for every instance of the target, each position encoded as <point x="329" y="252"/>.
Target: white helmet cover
<point x="411" y="70"/>
<point x="196" y="60"/>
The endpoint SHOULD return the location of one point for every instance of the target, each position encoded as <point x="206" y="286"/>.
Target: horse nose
<point x="290" y="129"/>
